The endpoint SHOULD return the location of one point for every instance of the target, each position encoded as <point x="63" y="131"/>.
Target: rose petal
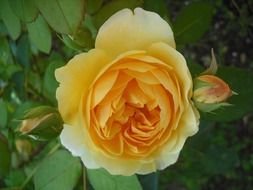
<point x="103" y="86"/>
<point x="126" y="31"/>
<point x="75" y="79"/>
<point x="72" y="137"/>
<point x="187" y="126"/>
<point x="172" y="57"/>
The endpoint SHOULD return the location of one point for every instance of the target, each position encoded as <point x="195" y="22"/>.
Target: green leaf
<point x="112" y="7"/>
<point x="11" y="21"/>
<point x="194" y="68"/>
<point x="240" y="81"/>
<point x="19" y="112"/>
<point x="34" y="79"/>
<point x="3" y="114"/>
<point x="40" y="34"/>
<point x="158" y="6"/>
<point x="63" y="16"/>
<point x="15" y="178"/>
<point x="81" y="41"/>
<point x="5" y="52"/>
<point x="192" y="22"/>
<point x="100" y="179"/>
<point x="3" y="29"/>
<point x="7" y="67"/>
<point x="26" y="10"/>
<point x="23" y="55"/>
<point x="5" y="157"/>
<point x="83" y="38"/>
<point x="228" y="159"/>
<point x="59" y="171"/>
<point x="49" y="82"/>
<point x="93" y="6"/>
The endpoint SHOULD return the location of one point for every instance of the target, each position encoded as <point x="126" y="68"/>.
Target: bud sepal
<point x="42" y="123"/>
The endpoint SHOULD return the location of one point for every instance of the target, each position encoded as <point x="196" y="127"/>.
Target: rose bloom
<point x="127" y="103"/>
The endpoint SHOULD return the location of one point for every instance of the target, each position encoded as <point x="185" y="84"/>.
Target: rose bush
<point x="126" y="104"/>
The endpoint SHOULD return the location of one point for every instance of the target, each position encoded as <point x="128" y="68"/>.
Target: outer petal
<point x="126" y="31"/>
<point x="75" y="79"/>
<point x="188" y="126"/>
<point x="173" y="58"/>
<point x="73" y="138"/>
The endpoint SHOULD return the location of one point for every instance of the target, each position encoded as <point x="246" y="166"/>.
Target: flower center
<point x="132" y="109"/>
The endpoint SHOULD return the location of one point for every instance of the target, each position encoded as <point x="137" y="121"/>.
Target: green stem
<point x="84" y="178"/>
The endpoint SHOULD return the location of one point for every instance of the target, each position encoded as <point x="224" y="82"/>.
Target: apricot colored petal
<point x="103" y="113"/>
<point x="127" y="30"/>
<point x="73" y="138"/>
<point x="75" y="79"/>
<point x="115" y="146"/>
<point x="103" y="86"/>
<point x="173" y="58"/>
<point x="188" y="126"/>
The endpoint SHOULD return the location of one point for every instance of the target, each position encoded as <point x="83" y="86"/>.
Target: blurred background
<point x="220" y="155"/>
<point x="34" y="41"/>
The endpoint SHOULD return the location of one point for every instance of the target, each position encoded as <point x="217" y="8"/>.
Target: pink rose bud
<point x="210" y="93"/>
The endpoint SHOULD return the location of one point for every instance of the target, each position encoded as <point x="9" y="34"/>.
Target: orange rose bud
<point x="210" y="93"/>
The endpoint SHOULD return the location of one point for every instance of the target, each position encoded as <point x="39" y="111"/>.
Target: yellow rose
<point x="126" y="103"/>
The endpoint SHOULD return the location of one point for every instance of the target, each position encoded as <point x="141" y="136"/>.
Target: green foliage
<point x="192" y="22"/>
<point x="81" y="41"/>
<point x="158" y="6"/>
<point x="10" y="20"/>
<point x="199" y="161"/>
<point x="23" y="51"/>
<point x="25" y="10"/>
<point x="40" y="35"/>
<point x="4" y="114"/>
<point x="241" y="81"/>
<point x="93" y="6"/>
<point x="41" y="123"/>
<point x="15" y="178"/>
<point x="149" y="181"/>
<point x="100" y="179"/>
<point x="59" y="171"/>
<point x="112" y="7"/>
<point x="63" y="16"/>
<point x="49" y="83"/>
<point x="5" y="156"/>
<point x="5" y="51"/>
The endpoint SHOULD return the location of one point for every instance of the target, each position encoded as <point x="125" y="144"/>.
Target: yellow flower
<point x="126" y="103"/>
